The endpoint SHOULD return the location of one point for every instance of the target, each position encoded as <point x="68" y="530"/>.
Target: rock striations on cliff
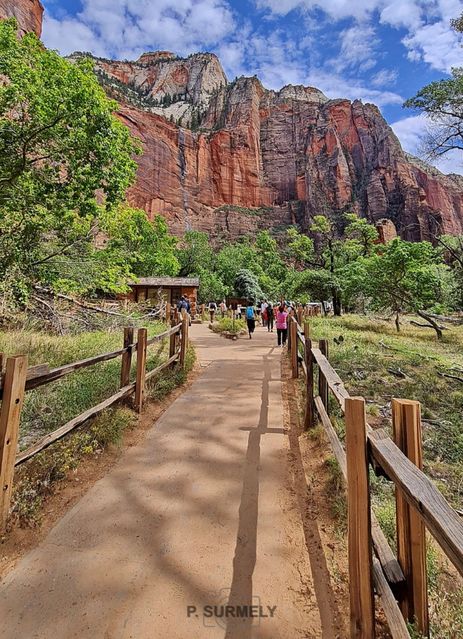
<point x="231" y="157"/>
<point x="28" y="13"/>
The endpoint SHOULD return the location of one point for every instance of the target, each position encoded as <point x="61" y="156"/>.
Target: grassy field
<point x="378" y="363"/>
<point x="50" y="406"/>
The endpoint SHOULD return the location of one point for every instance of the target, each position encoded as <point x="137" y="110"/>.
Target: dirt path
<point x="205" y="511"/>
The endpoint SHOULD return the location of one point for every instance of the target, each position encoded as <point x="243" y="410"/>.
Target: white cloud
<point x="335" y="86"/>
<point x="131" y="26"/>
<point x="412" y="131"/>
<point x="436" y="45"/>
<point x="277" y="61"/>
<point x="358" y="48"/>
<point x="384" y="77"/>
<point x="429" y="35"/>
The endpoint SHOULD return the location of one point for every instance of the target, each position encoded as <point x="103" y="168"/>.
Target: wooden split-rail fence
<point x="399" y="581"/>
<point x="17" y="379"/>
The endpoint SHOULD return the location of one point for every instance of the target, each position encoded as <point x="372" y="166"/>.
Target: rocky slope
<point x="28" y="13"/>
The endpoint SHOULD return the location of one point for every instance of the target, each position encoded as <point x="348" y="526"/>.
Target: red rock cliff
<point x="233" y="157"/>
<point x="268" y="158"/>
<point x="27" y="12"/>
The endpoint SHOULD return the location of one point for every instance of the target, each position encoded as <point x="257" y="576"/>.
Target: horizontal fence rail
<point x="18" y="379"/>
<point x="400" y="582"/>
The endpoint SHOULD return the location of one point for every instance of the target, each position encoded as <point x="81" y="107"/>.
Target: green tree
<point x="442" y="101"/>
<point x="328" y="251"/>
<point x="211" y="287"/>
<point x="360" y="236"/>
<point x="233" y="258"/>
<point x="60" y="145"/>
<point x="318" y="284"/>
<point x="300" y="249"/>
<point x="195" y="253"/>
<point x="146" y="246"/>
<point x="404" y="277"/>
<point x="247" y="285"/>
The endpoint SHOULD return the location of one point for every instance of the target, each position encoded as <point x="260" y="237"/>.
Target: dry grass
<point x="366" y="359"/>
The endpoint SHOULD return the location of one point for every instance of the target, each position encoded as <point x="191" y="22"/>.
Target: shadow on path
<point x="241" y="593"/>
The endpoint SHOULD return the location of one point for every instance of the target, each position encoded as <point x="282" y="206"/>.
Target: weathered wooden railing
<point x="400" y="583"/>
<point x="17" y="379"/>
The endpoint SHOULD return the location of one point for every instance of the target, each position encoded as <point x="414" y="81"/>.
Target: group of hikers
<point x="266" y="313"/>
<point x="269" y="315"/>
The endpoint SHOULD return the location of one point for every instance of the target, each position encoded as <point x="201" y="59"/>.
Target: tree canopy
<point x="64" y="156"/>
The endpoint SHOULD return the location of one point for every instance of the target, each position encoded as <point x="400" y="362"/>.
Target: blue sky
<point x="380" y="51"/>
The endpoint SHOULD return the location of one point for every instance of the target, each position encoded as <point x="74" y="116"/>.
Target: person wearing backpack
<point x="183" y="304"/>
<point x="250" y="319"/>
<point x="212" y="310"/>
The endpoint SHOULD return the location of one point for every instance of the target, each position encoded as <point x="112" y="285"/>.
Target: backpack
<point x="249" y="313"/>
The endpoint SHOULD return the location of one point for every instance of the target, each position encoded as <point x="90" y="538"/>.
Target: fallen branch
<point x="88" y="307"/>
<point x="450" y="320"/>
<point x="459" y="379"/>
<point x="397" y="373"/>
<point x="415" y="323"/>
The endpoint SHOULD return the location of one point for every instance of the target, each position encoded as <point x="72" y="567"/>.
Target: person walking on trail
<point x="263" y="312"/>
<point x="183" y="304"/>
<point x="212" y="310"/>
<point x="250" y="319"/>
<point x="270" y="317"/>
<point x="282" y="325"/>
<point x="223" y="308"/>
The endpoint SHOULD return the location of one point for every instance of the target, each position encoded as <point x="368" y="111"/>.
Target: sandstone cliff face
<point x="276" y="158"/>
<point x="231" y="158"/>
<point x="27" y="12"/>
<point x="178" y="89"/>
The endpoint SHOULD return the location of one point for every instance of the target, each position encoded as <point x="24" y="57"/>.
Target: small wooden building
<point x="170" y="288"/>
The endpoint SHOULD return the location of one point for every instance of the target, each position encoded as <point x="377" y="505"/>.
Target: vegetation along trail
<point x="204" y="512"/>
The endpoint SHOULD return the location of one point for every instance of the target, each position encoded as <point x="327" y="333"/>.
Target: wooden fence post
<point x="172" y="340"/>
<point x="309" y="420"/>
<point x="294" y="347"/>
<point x="362" y="615"/>
<point x="126" y="364"/>
<point x="168" y="312"/>
<point x="184" y="341"/>
<point x="411" y="532"/>
<point x="322" y="384"/>
<point x="142" y="337"/>
<point x="14" y="384"/>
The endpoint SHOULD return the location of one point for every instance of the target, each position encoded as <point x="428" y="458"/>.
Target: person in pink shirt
<point x="282" y="325"/>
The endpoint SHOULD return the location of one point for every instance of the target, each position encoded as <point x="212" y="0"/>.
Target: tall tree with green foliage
<point x="146" y="246"/>
<point x="404" y="277"/>
<point x="195" y="253"/>
<point x="60" y="146"/>
<point x="232" y="258"/>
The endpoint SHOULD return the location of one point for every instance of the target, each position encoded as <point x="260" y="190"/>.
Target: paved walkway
<point x="200" y="513"/>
